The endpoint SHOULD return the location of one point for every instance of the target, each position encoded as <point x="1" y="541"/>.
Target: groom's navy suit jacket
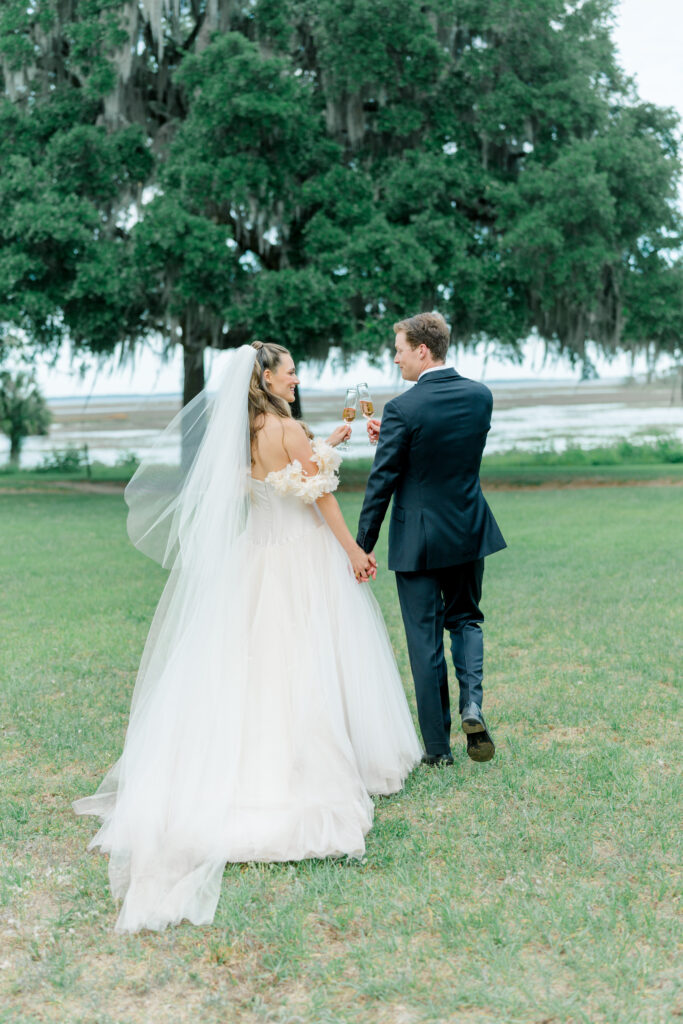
<point x="428" y="456"/>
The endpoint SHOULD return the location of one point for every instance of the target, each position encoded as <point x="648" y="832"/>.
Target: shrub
<point x="127" y="460"/>
<point x="62" y="460"/>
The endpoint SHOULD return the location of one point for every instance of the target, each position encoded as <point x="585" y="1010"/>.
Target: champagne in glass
<point x="367" y="406"/>
<point x="349" y="413"/>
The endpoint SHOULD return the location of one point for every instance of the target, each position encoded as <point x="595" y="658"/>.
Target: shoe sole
<point x="482" y="752"/>
<point x="472" y="725"/>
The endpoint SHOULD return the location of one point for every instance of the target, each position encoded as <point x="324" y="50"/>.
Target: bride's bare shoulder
<point x="278" y="427"/>
<point x="278" y="442"/>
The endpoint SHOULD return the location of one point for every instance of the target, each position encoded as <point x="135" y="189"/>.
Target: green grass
<point x="541" y="887"/>
<point x="12" y="478"/>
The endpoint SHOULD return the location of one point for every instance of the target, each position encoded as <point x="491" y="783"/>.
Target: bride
<point x="268" y="705"/>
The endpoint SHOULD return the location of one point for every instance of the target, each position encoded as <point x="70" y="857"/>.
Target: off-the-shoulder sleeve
<point x="293" y="480"/>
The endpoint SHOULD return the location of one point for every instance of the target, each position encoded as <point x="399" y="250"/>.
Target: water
<point x="527" y="414"/>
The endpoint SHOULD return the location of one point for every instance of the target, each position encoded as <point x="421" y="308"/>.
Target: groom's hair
<point x="428" y="329"/>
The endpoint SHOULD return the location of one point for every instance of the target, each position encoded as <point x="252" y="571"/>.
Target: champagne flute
<point x="349" y="414"/>
<point x="367" y="406"/>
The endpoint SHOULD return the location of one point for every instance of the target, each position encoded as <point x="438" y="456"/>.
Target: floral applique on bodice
<point x="293" y="480"/>
<point x="283" y="505"/>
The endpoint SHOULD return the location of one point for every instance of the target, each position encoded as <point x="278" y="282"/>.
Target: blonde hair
<point x="261" y="400"/>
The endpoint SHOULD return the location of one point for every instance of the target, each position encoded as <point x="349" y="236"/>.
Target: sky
<point x="648" y="36"/>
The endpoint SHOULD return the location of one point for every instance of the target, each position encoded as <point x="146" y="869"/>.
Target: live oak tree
<point x="65" y="265"/>
<point x="653" y="310"/>
<point x="307" y="171"/>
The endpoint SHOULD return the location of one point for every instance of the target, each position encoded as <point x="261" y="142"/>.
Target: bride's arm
<point x="298" y="447"/>
<point x="364" y="566"/>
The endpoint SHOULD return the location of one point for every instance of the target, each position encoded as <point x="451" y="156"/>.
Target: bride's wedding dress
<point x="268" y="707"/>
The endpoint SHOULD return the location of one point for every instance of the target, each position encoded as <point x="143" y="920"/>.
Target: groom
<point x="428" y="457"/>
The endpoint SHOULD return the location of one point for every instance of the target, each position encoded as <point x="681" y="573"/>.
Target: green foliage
<point x="65" y="266"/>
<point x="256" y="125"/>
<point x="300" y="309"/>
<point x="662" y="451"/>
<point x="62" y="460"/>
<point x="127" y="461"/>
<point x="187" y="260"/>
<point x="653" y="303"/>
<point x="23" y="410"/>
<point x="316" y="170"/>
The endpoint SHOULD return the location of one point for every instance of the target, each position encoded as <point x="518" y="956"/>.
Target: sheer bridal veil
<point x="171" y="507"/>
<point x="166" y="803"/>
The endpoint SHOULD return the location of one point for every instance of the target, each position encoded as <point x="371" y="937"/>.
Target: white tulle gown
<point x="299" y="714"/>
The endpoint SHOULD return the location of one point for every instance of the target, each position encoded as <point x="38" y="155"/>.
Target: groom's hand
<point x="364" y="566"/>
<point x="373" y="430"/>
<point x="361" y="564"/>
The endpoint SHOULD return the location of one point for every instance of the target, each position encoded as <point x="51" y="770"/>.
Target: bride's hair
<point x="261" y="400"/>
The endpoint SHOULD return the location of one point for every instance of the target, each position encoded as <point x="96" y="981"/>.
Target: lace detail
<point x="293" y="480"/>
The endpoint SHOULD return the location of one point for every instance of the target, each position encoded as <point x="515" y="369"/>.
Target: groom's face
<point x="410" y="360"/>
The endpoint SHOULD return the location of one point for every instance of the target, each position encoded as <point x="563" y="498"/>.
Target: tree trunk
<point x="15" y="442"/>
<point x="296" y="405"/>
<point x="193" y="369"/>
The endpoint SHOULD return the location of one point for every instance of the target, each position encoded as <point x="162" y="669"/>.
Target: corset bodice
<point x="283" y="505"/>
<point x="276" y="518"/>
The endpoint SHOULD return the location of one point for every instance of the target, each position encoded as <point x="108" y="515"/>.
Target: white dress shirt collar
<point x="431" y="369"/>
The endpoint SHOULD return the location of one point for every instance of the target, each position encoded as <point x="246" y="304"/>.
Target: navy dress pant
<point x="433" y="600"/>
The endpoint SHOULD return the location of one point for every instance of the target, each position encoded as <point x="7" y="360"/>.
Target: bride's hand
<point x="339" y="434"/>
<point x="363" y="565"/>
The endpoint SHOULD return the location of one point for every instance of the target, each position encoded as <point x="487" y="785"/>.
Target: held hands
<point x="373" y="430"/>
<point x="339" y="434"/>
<point x="364" y="566"/>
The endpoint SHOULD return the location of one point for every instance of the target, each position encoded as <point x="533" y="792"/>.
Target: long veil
<point x="164" y="801"/>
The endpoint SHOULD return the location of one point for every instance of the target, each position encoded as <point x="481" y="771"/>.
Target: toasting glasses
<point x="349" y="413"/>
<point x="367" y="406"/>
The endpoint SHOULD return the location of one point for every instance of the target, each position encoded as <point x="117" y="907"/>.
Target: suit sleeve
<point x="387" y="469"/>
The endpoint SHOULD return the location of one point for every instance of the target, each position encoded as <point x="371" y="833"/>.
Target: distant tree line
<point x="306" y="171"/>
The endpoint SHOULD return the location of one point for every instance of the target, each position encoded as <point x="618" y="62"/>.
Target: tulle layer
<point x="258" y="728"/>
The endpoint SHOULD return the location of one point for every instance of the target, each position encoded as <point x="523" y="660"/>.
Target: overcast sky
<point x="648" y="35"/>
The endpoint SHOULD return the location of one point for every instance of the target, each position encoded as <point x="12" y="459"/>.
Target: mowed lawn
<point x="540" y="888"/>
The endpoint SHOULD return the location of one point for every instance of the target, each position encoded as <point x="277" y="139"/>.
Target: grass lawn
<point x="538" y="889"/>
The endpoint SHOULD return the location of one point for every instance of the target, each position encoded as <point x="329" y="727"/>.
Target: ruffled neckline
<point x="292" y="479"/>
